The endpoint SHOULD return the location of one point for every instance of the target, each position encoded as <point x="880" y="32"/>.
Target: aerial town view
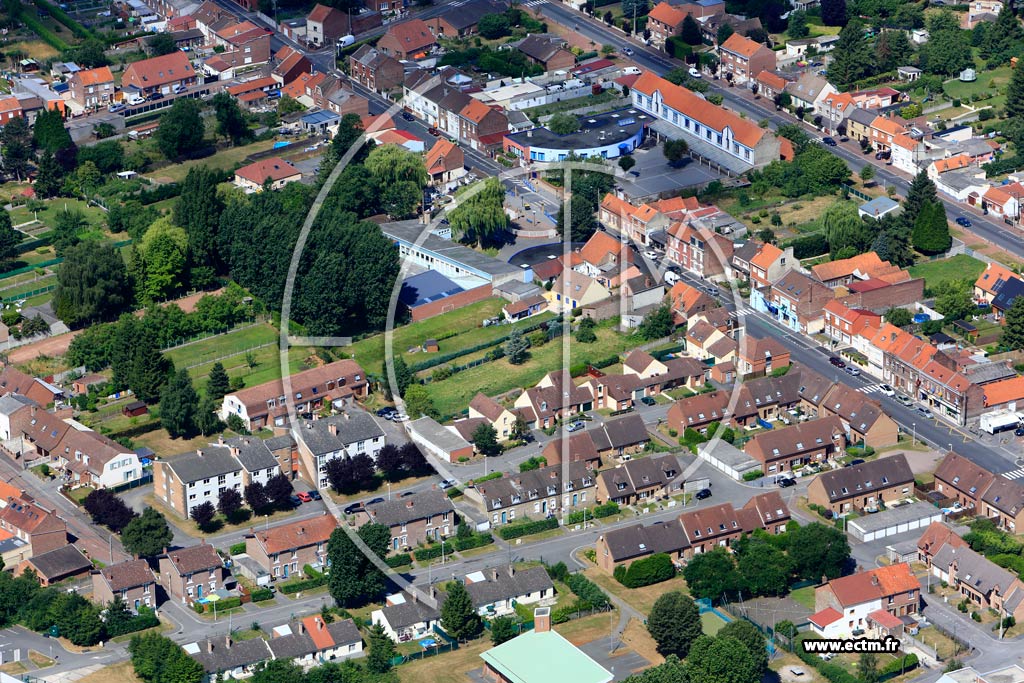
<point x="511" y="341"/>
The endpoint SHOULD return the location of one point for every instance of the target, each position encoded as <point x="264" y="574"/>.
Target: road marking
<point x="870" y="388"/>
<point x="1014" y="474"/>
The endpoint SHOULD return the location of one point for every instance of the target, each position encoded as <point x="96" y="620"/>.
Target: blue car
<point x="964" y="222"/>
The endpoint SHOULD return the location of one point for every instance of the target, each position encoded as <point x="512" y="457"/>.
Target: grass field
<point x="48" y="216"/>
<point x="369" y="352"/>
<point x="641" y="599"/>
<point x="223" y="159"/>
<point x="804" y="596"/>
<point x="959" y="267"/>
<point x="115" y="673"/>
<point x="989" y="80"/>
<point x="212" y="348"/>
<point x="453" y="394"/>
<point x="711" y="623"/>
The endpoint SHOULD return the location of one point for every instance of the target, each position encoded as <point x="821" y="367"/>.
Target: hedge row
<point x="587" y="591"/>
<point x="429" y="553"/>
<point x="261" y="594"/>
<point x="898" y="666"/>
<point x="39" y="28"/>
<point x="399" y="560"/>
<point x="237" y="548"/>
<point x="442" y="359"/>
<point x="564" y="614"/>
<point x="474" y="541"/>
<point x="527" y="528"/>
<point x="222" y="604"/>
<point x="304" y="585"/>
<point x="645" y="572"/>
<point x="145" y="619"/>
<point x="60" y="15"/>
<point x="597" y="512"/>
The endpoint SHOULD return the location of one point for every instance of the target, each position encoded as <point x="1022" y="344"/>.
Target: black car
<point x="315" y="495"/>
<point x="855" y="461"/>
<point x="836" y="361"/>
<point x="1019" y="431"/>
<point x="353" y="508"/>
<point x="295" y="501"/>
<point x="702" y="494"/>
<point x="786" y="482"/>
<point x="648" y="401"/>
<point x="384" y="412"/>
<point x="829" y="141"/>
<point x="374" y="501"/>
<point x="407" y="116"/>
<point x="156" y="96"/>
<point x="965" y="222"/>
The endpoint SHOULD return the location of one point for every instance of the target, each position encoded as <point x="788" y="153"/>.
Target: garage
<point x="894" y="520"/>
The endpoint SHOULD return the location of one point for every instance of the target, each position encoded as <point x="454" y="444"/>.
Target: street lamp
<point x="442" y="551"/>
<point x="914" y="439"/>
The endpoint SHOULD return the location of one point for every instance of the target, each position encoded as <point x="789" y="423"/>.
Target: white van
<point x="672" y="277"/>
<point x="345" y="41"/>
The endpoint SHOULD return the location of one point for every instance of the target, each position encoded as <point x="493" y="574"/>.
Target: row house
<point x="265" y="405"/>
<point x="502" y="419"/>
<point x="405" y="617"/>
<point x="851" y="605"/>
<point x="459" y="21"/>
<point x="742" y="59"/>
<point x="863" y="418"/>
<point x="762" y="263"/>
<point x="555" y="397"/>
<point x="352" y="432"/>
<point x="769" y="84"/>
<point x="876" y="98"/>
<point x="814" y="441"/>
<point x="979" y="580"/>
<point x="445" y="163"/>
<point x="481" y="126"/>
<point x="159" y="74"/>
<point x="375" y="70"/>
<point x="37" y="529"/>
<point x="907" y="154"/>
<point x="572" y="289"/>
<point x="935" y="537"/>
<point x="92" y="88"/>
<point x="42" y="392"/>
<point x="836" y="108"/>
<point x="858" y="125"/>
<point x="617" y="439"/>
<point x="331" y="94"/>
<point x="244" y="43"/>
<point x="131" y="581"/>
<point x="797" y="301"/>
<point x="635" y="481"/>
<point x="694" y="532"/>
<point x="548" y="51"/>
<point x="699" y="412"/>
<point x="703" y="124"/>
<point x="283" y="550"/>
<point x="497" y="592"/>
<point x="705" y="342"/>
<point x="866" y="266"/>
<point x="539" y="493"/>
<point x="656" y="376"/>
<point x="863" y="487"/>
<point x="89" y="458"/>
<point x="664" y="21"/>
<point x="975" y="488"/>
<point x="413" y="520"/>
<point x="290" y="64"/>
<point x="884" y="130"/>
<point x="699" y="251"/>
<point x="843" y="324"/>
<point x="188" y="574"/>
<point x="687" y="302"/>
<point x="606" y="259"/>
<point x="324" y="25"/>
<point x="990" y="281"/>
<point x="759" y="356"/>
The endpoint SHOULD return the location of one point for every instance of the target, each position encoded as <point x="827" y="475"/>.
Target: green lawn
<point x="711" y="623"/>
<point x="95" y="215"/>
<point x="989" y="80"/>
<point x="209" y="349"/>
<point x="223" y="159"/>
<point x="804" y="596"/>
<point x="452" y="395"/>
<point x="959" y="267"/>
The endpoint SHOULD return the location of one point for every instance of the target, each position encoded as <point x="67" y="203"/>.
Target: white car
<point x="179" y="88"/>
<point x="628" y="51"/>
<point x="887" y="390"/>
<point x="653" y="255"/>
<point x="695" y="73"/>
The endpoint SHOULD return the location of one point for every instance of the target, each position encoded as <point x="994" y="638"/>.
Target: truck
<point x="999" y="421"/>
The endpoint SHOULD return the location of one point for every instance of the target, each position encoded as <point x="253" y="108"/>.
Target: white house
<point x="347" y="434"/>
<point x="405" y="617"/>
<point x="907" y="154"/>
<point x="852" y="605"/>
<point x="496" y="592"/>
<point x="93" y="459"/>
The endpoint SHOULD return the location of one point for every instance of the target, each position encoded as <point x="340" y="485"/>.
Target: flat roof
<point x="542" y="658"/>
<point x="614" y="126"/>
<point x="439" y="435"/>
<point x="895" y="515"/>
<point x="426" y="287"/>
<point x="730" y="455"/>
<point x="411" y="231"/>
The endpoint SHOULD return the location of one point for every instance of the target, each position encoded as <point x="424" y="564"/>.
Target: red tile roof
<point x="274" y="168"/>
<point x="827" y="616"/>
<point x="772" y="80"/>
<point x="667" y="14"/>
<point x="299" y="534"/>
<point x="95" y="76"/>
<point x="741" y="45"/>
<point x="159" y="71"/>
<point x="412" y="35"/>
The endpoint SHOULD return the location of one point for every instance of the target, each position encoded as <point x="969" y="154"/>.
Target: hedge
<point x="145" y="619"/>
<point x="237" y="548"/>
<point x="60" y="15"/>
<point x="597" y="512"/>
<point x="488" y="477"/>
<point x="399" y="560"/>
<point x="837" y="674"/>
<point x="752" y="475"/>
<point x="900" y="665"/>
<point x="303" y="585"/>
<point x="474" y="541"/>
<point x="809" y="246"/>
<point x="428" y="553"/>
<point x="442" y="359"/>
<point x="222" y="604"/>
<point x="587" y="591"/>
<point x="261" y="594"/>
<point x="527" y="528"/>
<point x="645" y="572"/>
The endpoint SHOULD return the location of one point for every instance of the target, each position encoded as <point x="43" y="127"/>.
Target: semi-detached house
<point x="851" y="605"/>
<point x="285" y="549"/>
<point x="350" y="433"/>
<point x="742" y="58"/>
<point x="413" y="520"/>
<point x="159" y="74"/>
<point x="132" y="581"/>
<point x="975" y="488"/>
<point x="188" y="574"/>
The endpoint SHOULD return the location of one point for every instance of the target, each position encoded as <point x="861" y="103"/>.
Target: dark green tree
<point x="485" y="438"/>
<point x="279" y="671"/>
<point x="818" y="550"/>
<point x="49" y="176"/>
<point x="178" y="405"/>
<point x="720" y="660"/>
<point x="674" y="623"/>
<point x="1015" y="95"/>
<point x="833" y="12"/>
<point x="158" y="659"/>
<point x="796" y="26"/>
<point x="493" y="26"/>
<point x="503" y="629"/>
<point x="161" y="44"/>
<point x="207" y="421"/>
<point x="9" y="240"/>
<point x="851" y="58"/>
<point x="256" y="497"/>
<point x="517" y="348"/>
<point x="752" y="640"/>
<point x="147" y="535"/>
<point x="931" y="230"/>
<point x="16" y="147"/>
<point x="691" y="34"/>
<point x="953" y="299"/>
<point x="1013" y="330"/>
<point x="150" y="370"/>
<point x="229" y="502"/>
<point x="382" y="650"/>
<point x="198" y="210"/>
<point x="657" y="324"/>
<point x="712" y="574"/>
<point x="892" y="49"/>
<point x="49" y="132"/>
<point x="765" y="569"/>
<point x="203" y="515"/>
<point x="403" y="376"/>
<point x="418" y="402"/>
<point x="217" y="384"/>
<point x="675" y="150"/>
<point x="900" y="317"/>
<point x="585" y="331"/>
<point x="353" y="579"/>
<point x="724" y="31"/>
<point x="867" y="667"/>
<point x="481" y="219"/>
<point x="181" y="130"/>
<point x="459" y="618"/>
<point x="231" y="122"/>
<point x="90" y="285"/>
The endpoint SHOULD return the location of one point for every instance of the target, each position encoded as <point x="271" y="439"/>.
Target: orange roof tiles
<point x="274" y="168"/>
<point x="412" y="35"/>
<point x="745" y="132"/>
<point x="839" y="100"/>
<point x="772" y="80"/>
<point x="667" y="14"/>
<point x="994" y="275"/>
<point x="827" y="616"/>
<point x="741" y="45"/>
<point x="297" y="88"/>
<point x="435" y="159"/>
<point x="602" y="245"/>
<point x="475" y="111"/>
<point x="95" y="76"/>
<point x="1004" y="391"/>
<point x="905" y="141"/>
<point x="674" y="204"/>
<point x="871" y="585"/>
<point x="997" y="196"/>
<point x="786" y="150"/>
<point x="867" y="264"/>
<point x="887" y="125"/>
<point x="612" y="203"/>
<point x="766" y="256"/>
<point x="321" y="636"/>
<point x="376" y="122"/>
<point x="952" y="163"/>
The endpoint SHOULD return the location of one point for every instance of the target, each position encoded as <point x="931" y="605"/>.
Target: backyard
<point x="959" y="267"/>
<point x="641" y="599"/>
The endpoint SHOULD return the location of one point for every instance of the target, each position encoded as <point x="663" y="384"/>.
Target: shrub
<point x="527" y="528"/>
<point x="900" y="665"/>
<point x="429" y="553"/>
<point x="301" y="585"/>
<point x="752" y="475"/>
<point x="399" y="560"/>
<point x="644" y="572"/>
<point x="837" y="674"/>
<point x="261" y="594"/>
<point x="587" y="591"/>
<point x="976" y="616"/>
<point x="237" y="548"/>
<point x="477" y="540"/>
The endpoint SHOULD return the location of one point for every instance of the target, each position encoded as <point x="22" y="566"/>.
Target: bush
<point x="606" y="510"/>
<point x="399" y="560"/>
<point x="262" y="594"/>
<point x="429" y="553"/>
<point x="837" y="674"/>
<point x="644" y="572"/>
<point x="222" y="604"/>
<point x="587" y="591"/>
<point x="118" y="627"/>
<point x="237" y="548"/>
<point x="477" y="540"/>
<point x="488" y="477"/>
<point x="752" y="475"/>
<point x="810" y="246"/>
<point x="302" y="585"/>
<point x="900" y="665"/>
<point x="527" y="528"/>
<point x="976" y="616"/>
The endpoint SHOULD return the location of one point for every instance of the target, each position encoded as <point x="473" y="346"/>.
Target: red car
<point x="304" y="497"/>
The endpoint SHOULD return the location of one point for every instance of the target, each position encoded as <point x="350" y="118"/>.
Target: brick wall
<point x="880" y="300"/>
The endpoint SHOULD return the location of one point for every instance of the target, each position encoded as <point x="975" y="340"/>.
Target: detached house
<point x="664" y="21"/>
<point x="132" y="581"/>
<point x="850" y="605"/>
<point x="159" y="74"/>
<point x="991" y="280"/>
<point x="427" y="515"/>
<point x="411" y="39"/>
<point x="285" y="549"/>
<point x="548" y="51"/>
<point x="273" y="172"/>
<point x="92" y="88"/>
<point x="188" y="574"/>
<point x="445" y="162"/>
<point x="863" y="487"/>
<point x="742" y="59"/>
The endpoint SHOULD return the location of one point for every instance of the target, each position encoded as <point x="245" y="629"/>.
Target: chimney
<point x="301" y="628"/>
<point x="209" y="645"/>
<point x="333" y="429"/>
<point x="220" y="440"/>
<point x="319" y="624"/>
<point x="415" y="596"/>
<point x="874" y="580"/>
<point x="433" y="592"/>
<point x="542" y="619"/>
<point x="409" y="504"/>
<point x="511" y="571"/>
<point x="494" y="574"/>
<point x="199" y="452"/>
<point x="302" y="531"/>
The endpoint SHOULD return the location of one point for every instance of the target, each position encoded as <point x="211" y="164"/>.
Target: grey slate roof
<point x="276" y="443"/>
<point x="862" y="116"/>
<point x="639" y="540"/>
<point x="984" y="574"/>
<point x="641" y="473"/>
<point x="623" y="432"/>
<point x="875" y="475"/>
<point x="412" y="612"/>
<point x="253" y="453"/>
<point x="60" y="563"/>
<point x="500" y="585"/>
<point x="9" y="403"/>
<point x="219" y="653"/>
<point x="344" y="632"/>
<point x="417" y="506"/>
<point x="290" y="647"/>
<point x="532" y="485"/>
<point x="203" y="464"/>
<point x="471" y="13"/>
<point x="352" y="427"/>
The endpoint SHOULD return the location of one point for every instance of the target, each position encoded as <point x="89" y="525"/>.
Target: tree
<point x="634" y="8"/>
<point x="198" y="212"/>
<point x="581" y="212"/>
<point x="149" y="369"/>
<point x="229" y="502"/>
<point x="9" y="239"/>
<point x="724" y="31"/>
<point x="1014" y="108"/>
<point x="818" y="550"/>
<point x="181" y="129"/>
<point x="867" y="667"/>
<point x="691" y="34"/>
<point x="279" y="490"/>
<point x="752" y="640"/>
<point x="675" y="151"/>
<point x="481" y="218"/>
<point x="1013" y="330"/>
<point x="87" y="178"/>
<point x="948" y="50"/>
<point x="203" y="514"/>
<point x="256" y="497"/>
<point x="353" y="578"/>
<point x="403" y="376"/>
<point x="674" y="623"/>
<point x="797" y="27"/>
<point x="493" y="26"/>
<point x="49" y="176"/>
<point x="503" y="629"/>
<point x="712" y="574"/>
<point x="390" y="462"/>
<point x="107" y="509"/>
<point x="516" y="348"/>
<point x="231" y="122"/>
<point x="900" y="317"/>
<point x="382" y="650"/>
<point x="16" y="147"/>
<point x="90" y="285"/>
<point x="868" y="172"/>
<point x="392" y="164"/>
<point x="415" y="463"/>
<point x="49" y="133"/>
<point x="833" y="12"/>
<point x="851" y="58"/>
<point x="720" y="660"/>
<point x="158" y="659"/>
<point x="585" y="331"/>
<point x="159" y="262"/>
<point x="628" y="162"/>
<point x="161" y="44"/>
<point x="418" y="402"/>
<point x="563" y="124"/>
<point x="931" y="230"/>
<point x="844" y="228"/>
<point x="278" y="671"/>
<point x="485" y="438"/>
<point x="217" y="384"/>
<point x="67" y="230"/>
<point x="459" y="618"/>
<point x="147" y="535"/>
<point x="953" y="299"/>
<point x="657" y="324"/>
<point x="765" y="569"/>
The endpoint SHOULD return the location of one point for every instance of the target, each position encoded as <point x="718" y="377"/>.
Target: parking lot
<point x="652" y="175"/>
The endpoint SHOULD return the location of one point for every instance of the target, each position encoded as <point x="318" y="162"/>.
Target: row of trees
<point x="351" y="474"/>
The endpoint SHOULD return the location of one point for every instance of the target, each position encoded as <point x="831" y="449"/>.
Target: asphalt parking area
<point x="622" y="664"/>
<point x="656" y="176"/>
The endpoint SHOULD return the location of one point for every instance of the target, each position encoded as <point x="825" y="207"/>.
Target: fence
<point x="29" y="269"/>
<point x="29" y="294"/>
<point x="178" y="343"/>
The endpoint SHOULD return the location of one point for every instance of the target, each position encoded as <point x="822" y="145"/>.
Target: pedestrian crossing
<point x="870" y="388"/>
<point x="1015" y="474"/>
<point x="535" y="3"/>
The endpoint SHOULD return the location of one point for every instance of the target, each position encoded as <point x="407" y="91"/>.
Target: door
<point x="286" y="571"/>
<point x="544" y="507"/>
<point x="504" y="517"/>
<point x="575" y="498"/>
<point x="199" y="590"/>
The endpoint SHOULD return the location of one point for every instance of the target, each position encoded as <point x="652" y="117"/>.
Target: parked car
<point x="904" y="400"/>
<point x="115" y="107"/>
<point x="964" y="222"/>
<point x="855" y="461"/>
<point x="407" y="116"/>
<point x="648" y="401"/>
<point x="886" y="390"/>
<point x="314" y="494"/>
<point x="156" y="96"/>
<point x="574" y="427"/>
<point x="628" y="51"/>
<point x="353" y="508"/>
<point x="304" y="497"/>
<point x="836" y="361"/>
<point x="852" y="371"/>
<point x="702" y="494"/>
<point x="295" y="501"/>
<point x="373" y="501"/>
<point x="178" y="89"/>
<point x="653" y="255"/>
<point x="1019" y="431"/>
<point x="695" y="73"/>
<point x="786" y="482"/>
<point x="433" y="131"/>
<point x="829" y="141"/>
<point x="384" y="412"/>
<point x="925" y="413"/>
<point x="406" y="494"/>
<point x="447" y="483"/>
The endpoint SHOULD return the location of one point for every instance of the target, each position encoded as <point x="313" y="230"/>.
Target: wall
<point x="450" y="303"/>
<point x="879" y="300"/>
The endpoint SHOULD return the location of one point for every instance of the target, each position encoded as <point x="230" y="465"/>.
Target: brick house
<point x="843" y="324"/>
<point x="132" y="581"/>
<point x="62" y="564"/>
<point x="92" y="87"/>
<point x="285" y="549"/>
<point x="864" y="419"/>
<point x="481" y="126"/>
<point x="159" y="74"/>
<point x="721" y="525"/>
<point x="934" y="537"/>
<point x="550" y="52"/>
<point x="637" y="480"/>
<point x="626" y="545"/>
<point x="759" y="356"/>
<point x="779" y="450"/>
<point x="664" y="21"/>
<point x="770" y="84"/>
<point x="274" y="172"/>
<point x="501" y="418"/>
<point x="407" y="40"/>
<point x="33" y="524"/>
<point x="537" y="493"/>
<point x="324" y="25"/>
<point x="864" y="486"/>
<point x="188" y="574"/>
<point x="375" y="70"/>
<point x="962" y="480"/>
<point x="698" y="250"/>
<point x="445" y="162"/>
<point x="699" y="411"/>
<point x="413" y="519"/>
<point x="797" y="301"/>
<point x="554" y="398"/>
<point x="459" y="21"/>
<point x="743" y="59"/>
<point x="979" y="580"/>
<point x="847" y="606"/>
